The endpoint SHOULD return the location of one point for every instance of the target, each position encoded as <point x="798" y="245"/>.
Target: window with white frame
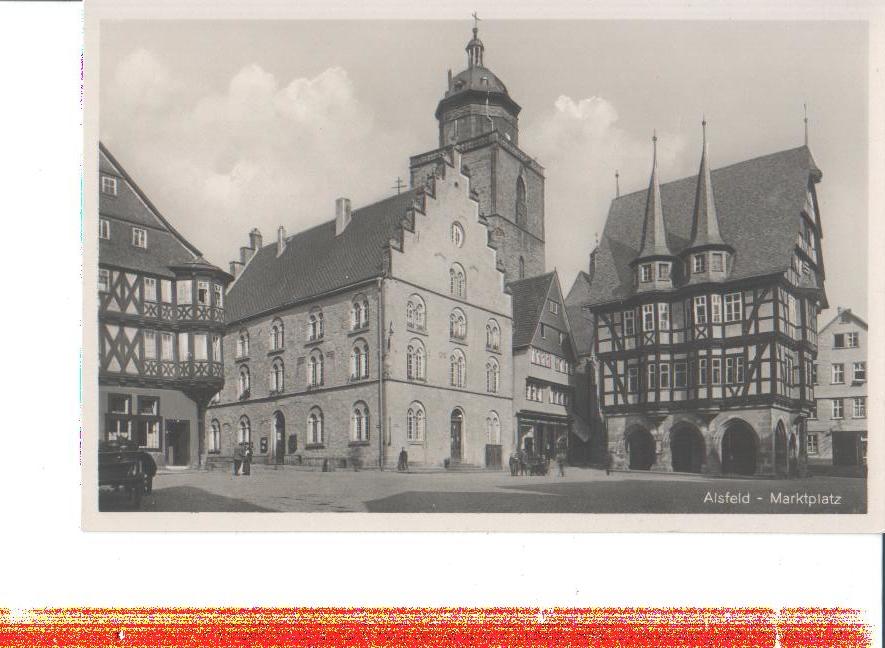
<point x="415" y="361"/>
<point x="814" y="378"/>
<point x="493" y="376"/>
<point x="359" y="313"/>
<point x="715" y="309"/>
<point x="359" y="423"/>
<point x="315" y="326"/>
<point x="860" y="407"/>
<point x="717" y="262"/>
<point x="699" y="263"/>
<point x="219" y="295"/>
<point x="716" y="371"/>
<point x="104" y="229"/>
<point x="663" y="271"/>
<point x="457" y="324"/>
<point x="457" y="234"/>
<point x="457" y="281"/>
<point x="811" y="440"/>
<point x="166" y="291"/>
<point x="139" y="237"/>
<point x="150" y="345"/>
<point x="315" y="427"/>
<point x="277" y="376"/>
<point x="838" y="408"/>
<point x="680" y="375"/>
<point x="665" y="375"/>
<point x="553" y="306"/>
<point x="277" y="339"/>
<point x="664" y="317"/>
<point x="359" y="360"/>
<point x="534" y="391"/>
<point x="108" y="185"/>
<point x="648" y="317"/>
<point x="493" y="428"/>
<point x="702" y="371"/>
<point x="652" y="378"/>
<point x="645" y="272"/>
<point x="245" y="382"/>
<point x="201" y="347"/>
<point x="629" y="324"/>
<point x="700" y="309"/>
<point x="166" y="346"/>
<point x="104" y="280"/>
<point x="457" y="369"/>
<point x="215" y="437"/>
<point x="813" y="413"/>
<point x="415" y="423"/>
<point x="859" y="369"/>
<point x="838" y="373"/>
<point x="245" y="430"/>
<point x="851" y="340"/>
<point x="493" y="336"/>
<point x="216" y="348"/>
<point x="203" y="293"/>
<point x="150" y="289"/>
<point x="733" y="307"/>
<point x="633" y="380"/>
<point x="184" y="291"/>
<point x="184" y="349"/>
<point x="315" y="369"/>
<point x="243" y="344"/>
<point x="415" y="314"/>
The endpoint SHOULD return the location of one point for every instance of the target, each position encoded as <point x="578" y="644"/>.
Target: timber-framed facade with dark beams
<point x="706" y="365"/>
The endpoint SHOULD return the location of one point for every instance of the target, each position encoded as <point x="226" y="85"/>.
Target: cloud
<point x="256" y="152"/>
<point x="580" y="144"/>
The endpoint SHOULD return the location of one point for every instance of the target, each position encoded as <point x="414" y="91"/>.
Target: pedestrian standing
<point x="561" y="453"/>
<point x="247" y="460"/>
<point x="238" y="459"/>
<point x="402" y="464"/>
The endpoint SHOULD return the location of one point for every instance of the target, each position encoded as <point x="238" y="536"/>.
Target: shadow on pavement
<point x="179" y="499"/>
<point x="623" y="496"/>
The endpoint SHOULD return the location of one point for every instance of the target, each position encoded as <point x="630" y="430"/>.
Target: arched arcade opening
<point x="739" y="448"/>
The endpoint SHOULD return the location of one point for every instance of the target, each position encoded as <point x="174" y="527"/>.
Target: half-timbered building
<point x="161" y="321"/>
<point x="705" y="293"/>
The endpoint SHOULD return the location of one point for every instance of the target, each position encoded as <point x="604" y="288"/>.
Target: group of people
<point x="243" y="458"/>
<point x="522" y="462"/>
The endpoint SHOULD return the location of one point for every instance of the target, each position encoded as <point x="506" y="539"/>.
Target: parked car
<point x="121" y="464"/>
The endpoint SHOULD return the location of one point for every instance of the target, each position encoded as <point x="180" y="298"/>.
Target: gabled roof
<point x="165" y="246"/>
<point x="528" y="299"/>
<point x="316" y="261"/>
<point x="758" y="201"/>
<point x="846" y="313"/>
<point x="581" y="326"/>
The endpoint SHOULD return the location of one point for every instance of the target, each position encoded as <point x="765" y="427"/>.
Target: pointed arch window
<point x="416" y="315"/>
<point x="457" y="369"/>
<point x="493" y="428"/>
<point x="315" y="369"/>
<point x="416" y="361"/>
<point x="359" y="422"/>
<point x="277" y="341"/>
<point x="315" y="325"/>
<point x="359" y="313"/>
<point x="315" y="427"/>
<point x="245" y="384"/>
<point x="457" y="234"/>
<point x="493" y="336"/>
<point x="457" y="324"/>
<point x="521" y="211"/>
<point x="243" y="344"/>
<point x="359" y="360"/>
<point x="245" y="430"/>
<point x="493" y="376"/>
<point x="415" y="423"/>
<point x="277" y="375"/>
<point x="457" y="281"/>
<point x="215" y="437"/>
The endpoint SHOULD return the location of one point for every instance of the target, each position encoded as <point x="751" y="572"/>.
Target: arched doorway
<point x="687" y="448"/>
<point x="640" y="449"/>
<point x="457" y="432"/>
<point x="793" y="455"/>
<point x="780" y="449"/>
<point x="739" y="447"/>
<point x="279" y="435"/>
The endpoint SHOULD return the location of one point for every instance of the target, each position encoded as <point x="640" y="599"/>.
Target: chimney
<point x="235" y="268"/>
<point x="255" y="239"/>
<point x="281" y="240"/>
<point x="342" y="215"/>
<point x="450" y="79"/>
<point x="246" y="254"/>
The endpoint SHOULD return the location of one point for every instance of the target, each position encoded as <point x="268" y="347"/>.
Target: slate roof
<point x="316" y="262"/>
<point x="654" y="234"/>
<point x="758" y="203"/>
<point x="578" y="319"/>
<point x="166" y="247"/>
<point x="528" y="298"/>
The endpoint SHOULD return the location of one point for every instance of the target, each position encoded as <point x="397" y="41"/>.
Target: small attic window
<point x="109" y="185"/>
<point x="485" y="80"/>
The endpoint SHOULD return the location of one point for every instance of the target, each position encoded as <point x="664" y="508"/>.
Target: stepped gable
<point x="529" y="296"/>
<point x="758" y="203"/>
<point x="581" y="326"/>
<point x="316" y="261"/>
<point x="166" y="247"/>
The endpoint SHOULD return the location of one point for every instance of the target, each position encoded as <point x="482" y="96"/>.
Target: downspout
<point x="381" y="430"/>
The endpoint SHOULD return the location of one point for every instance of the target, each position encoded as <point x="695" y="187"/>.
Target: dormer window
<point x="139" y="237"/>
<point x="645" y="272"/>
<point x="109" y="185"/>
<point x="699" y="263"/>
<point x="664" y="271"/>
<point x="717" y="262"/>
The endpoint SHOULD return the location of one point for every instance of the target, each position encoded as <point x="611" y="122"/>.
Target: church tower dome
<point x="476" y="101"/>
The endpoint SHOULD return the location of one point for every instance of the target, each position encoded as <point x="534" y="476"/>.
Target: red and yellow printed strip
<point x="277" y="627"/>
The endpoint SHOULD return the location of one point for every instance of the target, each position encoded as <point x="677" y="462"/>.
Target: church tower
<point x="477" y="115"/>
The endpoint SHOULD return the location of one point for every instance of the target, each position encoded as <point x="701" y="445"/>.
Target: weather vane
<point x="476" y="20"/>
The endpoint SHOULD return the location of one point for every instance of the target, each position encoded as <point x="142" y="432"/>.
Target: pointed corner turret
<point x="654" y="262"/>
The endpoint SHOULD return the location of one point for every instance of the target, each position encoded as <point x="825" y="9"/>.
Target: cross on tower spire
<point x="399" y="186"/>
<point x="475" y="47"/>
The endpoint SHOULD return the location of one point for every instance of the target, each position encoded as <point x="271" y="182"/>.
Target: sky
<point x="230" y="125"/>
